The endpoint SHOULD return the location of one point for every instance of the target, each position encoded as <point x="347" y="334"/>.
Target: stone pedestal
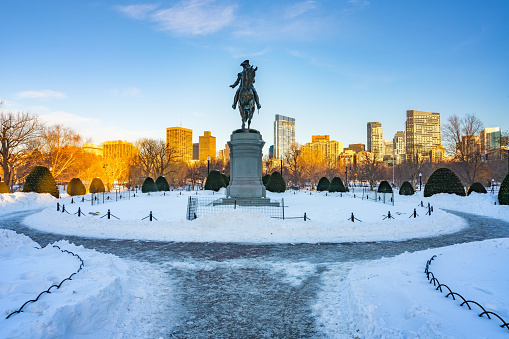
<point x="246" y="165"/>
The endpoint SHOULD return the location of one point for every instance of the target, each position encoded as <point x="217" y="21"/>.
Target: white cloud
<point x="242" y="53"/>
<point x="68" y="119"/>
<point x="138" y="12"/>
<point x="299" y="9"/>
<point x="188" y="17"/>
<point x="42" y="94"/>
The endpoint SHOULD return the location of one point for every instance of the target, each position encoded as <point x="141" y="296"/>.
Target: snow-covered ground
<point x="329" y="220"/>
<point x="390" y="297"/>
<point x="106" y="299"/>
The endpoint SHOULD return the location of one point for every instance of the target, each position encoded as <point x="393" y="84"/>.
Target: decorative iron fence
<point x="385" y="198"/>
<point x="440" y="286"/>
<point x="198" y="206"/>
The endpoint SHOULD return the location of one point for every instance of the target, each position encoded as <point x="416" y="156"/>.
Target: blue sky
<point x="128" y="69"/>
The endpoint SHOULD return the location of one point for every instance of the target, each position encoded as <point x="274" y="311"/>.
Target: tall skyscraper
<point x="181" y="141"/>
<point x="375" y="140"/>
<point x="422" y="133"/>
<point x="207" y="146"/>
<point x="284" y="135"/>
<point x="490" y="138"/>
<point x="399" y="147"/>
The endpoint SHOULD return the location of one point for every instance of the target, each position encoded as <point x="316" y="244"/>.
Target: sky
<point x="128" y="69"/>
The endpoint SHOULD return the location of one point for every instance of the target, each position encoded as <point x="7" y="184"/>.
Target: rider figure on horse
<point x="246" y="78"/>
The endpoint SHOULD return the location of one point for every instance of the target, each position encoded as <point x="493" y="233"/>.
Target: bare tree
<point x="61" y="147"/>
<point x="460" y="137"/>
<point x="146" y="157"/>
<point x="293" y="163"/>
<point x="17" y="131"/>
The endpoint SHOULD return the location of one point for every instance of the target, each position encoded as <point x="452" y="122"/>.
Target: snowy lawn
<point x="392" y="298"/>
<point x="329" y="219"/>
<point x="108" y="298"/>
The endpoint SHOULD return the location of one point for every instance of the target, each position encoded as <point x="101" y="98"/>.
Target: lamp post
<point x="346" y="176"/>
<point x="420" y="181"/>
<point x="208" y="165"/>
<point x="281" y="159"/>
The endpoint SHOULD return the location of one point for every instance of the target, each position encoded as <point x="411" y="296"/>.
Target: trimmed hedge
<point x="503" y="194"/>
<point x="336" y="185"/>
<point x="162" y="184"/>
<point x="214" y="181"/>
<point x="443" y="180"/>
<point x="40" y="180"/>
<point x="276" y="183"/>
<point x="323" y="184"/>
<point x="148" y="186"/>
<point x="265" y="179"/>
<point x="406" y="189"/>
<point x="225" y="179"/>
<point x="76" y="187"/>
<point x="96" y="186"/>
<point x="384" y="187"/>
<point x="4" y="188"/>
<point x="476" y="187"/>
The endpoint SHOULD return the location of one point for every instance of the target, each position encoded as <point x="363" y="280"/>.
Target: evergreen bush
<point x="336" y="185"/>
<point x="443" y="180"/>
<point x="162" y="184"/>
<point x="265" y="179"/>
<point x="226" y="180"/>
<point x="476" y="187"/>
<point x="4" y="188"/>
<point x="96" y="186"/>
<point x="276" y="183"/>
<point x="503" y="194"/>
<point x="40" y="180"/>
<point x="76" y="187"/>
<point x="384" y="187"/>
<point x="406" y="189"/>
<point x="148" y="186"/>
<point x="323" y="184"/>
<point x="214" y="181"/>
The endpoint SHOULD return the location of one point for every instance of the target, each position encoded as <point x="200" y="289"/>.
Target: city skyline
<point x="113" y="71"/>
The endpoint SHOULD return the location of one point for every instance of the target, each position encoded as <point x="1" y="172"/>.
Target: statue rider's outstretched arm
<point x="239" y="76"/>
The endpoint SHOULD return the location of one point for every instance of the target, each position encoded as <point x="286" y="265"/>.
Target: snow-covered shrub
<point x="76" y="187"/>
<point x="323" y="184"/>
<point x="96" y="186"/>
<point x="476" y="187"/>
<point x="4" y="188"/>
<point x="276" y="183"/>
<point x="214" y="181"/>
<point x="384" y="187"/>
<point x="148" y="186"/>
<point x="162" y="184"/>
<point x="40" y="180"/>
<point x="406" y="189"/>
<point x="336" y="185"/>
<point x="443" y="180"/>
<point x="503" y="194"/>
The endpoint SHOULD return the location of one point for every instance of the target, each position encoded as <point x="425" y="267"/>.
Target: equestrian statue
<point x="246" y="96"/>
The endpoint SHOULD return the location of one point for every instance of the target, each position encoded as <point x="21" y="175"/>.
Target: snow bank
<point x="108" y="298"/>
<point x="24" y="201"/>
<point x="391" y="297"/>
<point x="329" y="220"/>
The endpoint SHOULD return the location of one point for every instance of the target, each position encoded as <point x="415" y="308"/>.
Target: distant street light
<point x="420" y="181"/>
<point x="208" y="165"/>
<point x="281" y="158"/>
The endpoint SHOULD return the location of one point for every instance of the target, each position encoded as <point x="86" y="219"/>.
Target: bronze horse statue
<point x="246" y="97"/>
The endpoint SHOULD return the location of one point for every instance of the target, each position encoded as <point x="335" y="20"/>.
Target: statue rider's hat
<point x="245" y="62"/>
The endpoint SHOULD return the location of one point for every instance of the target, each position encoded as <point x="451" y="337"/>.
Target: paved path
<point x="239" y="290"/>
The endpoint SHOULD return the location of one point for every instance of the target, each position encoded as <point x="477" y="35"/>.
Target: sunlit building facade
<point x="181" y="141"/>
<point x="284" y="135"/>
<point x="422" y="130"/>
<point x="375" y="140"/>
<point x="330" y="149"/>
